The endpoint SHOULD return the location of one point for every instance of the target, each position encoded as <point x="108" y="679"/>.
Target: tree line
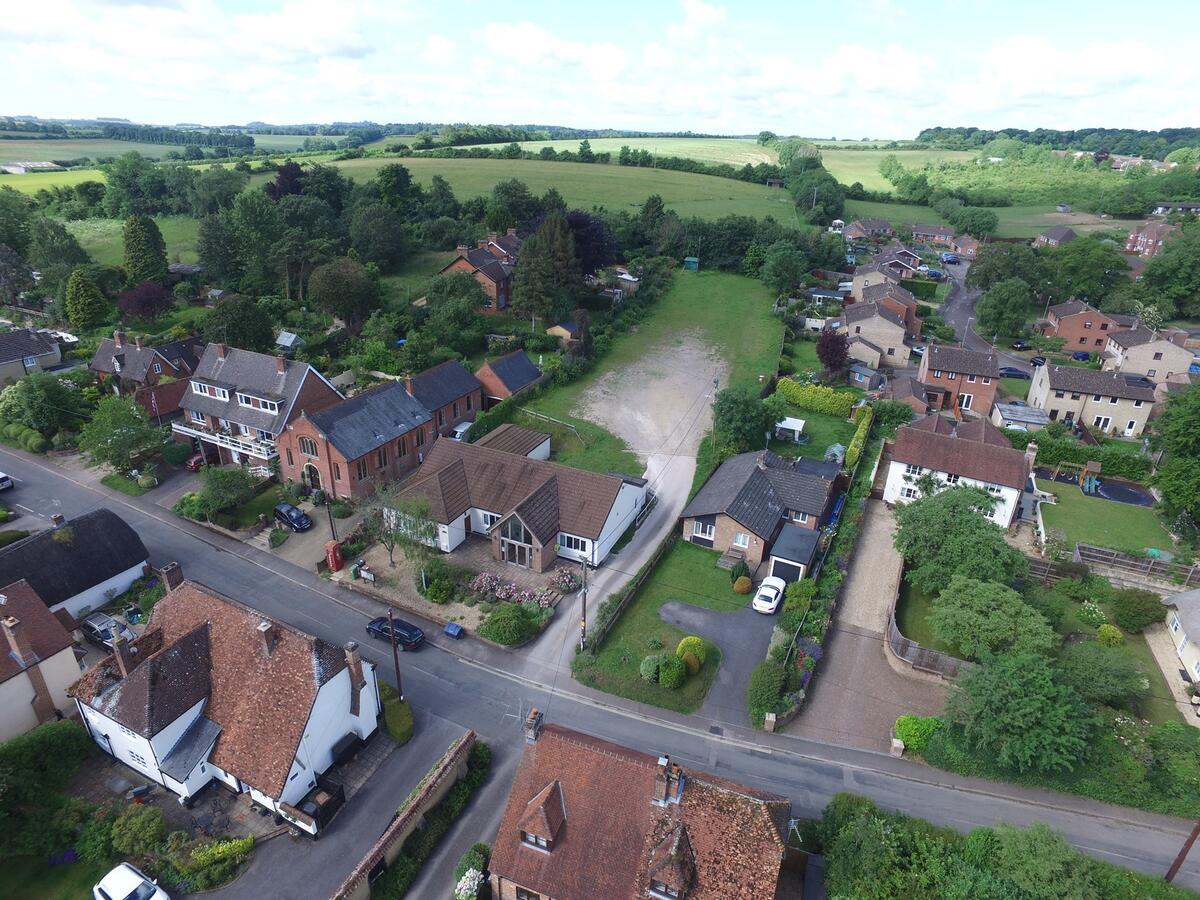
<point x="153" y="134"/>
<point x="1129" y="141"/>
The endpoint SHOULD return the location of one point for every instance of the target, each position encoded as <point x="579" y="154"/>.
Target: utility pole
<point x="395" y="653"/>
<point x="329" y="512"/>
<point x="583" y="607"/>
<point x="1183" y="852"/>
<point x="714" y="428"/>
<point x="814" y="203"/>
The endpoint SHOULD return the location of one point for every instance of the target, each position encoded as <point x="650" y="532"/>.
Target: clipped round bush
<point x="743" y="585"/>
<point x="691" y="663"/>
<point x="1134" y="610"/>
<point x="649" y="667"/>
<point x="1110" y="635"/>
<point x="139" y="830"/>
<point x="13" y="430"/>
<point x="175" y="453"/>
<point x="671" y="672"/>
<point x="1090" y="613"/>
<point x="916" y="731"/>
<point x="508" y="624"/>
<point x="37" y="444"/>
<point x="147" y="481"/>
<point x="438" y="591"/>
<point x="340" y="510"/>
<point x="693" y="645"/>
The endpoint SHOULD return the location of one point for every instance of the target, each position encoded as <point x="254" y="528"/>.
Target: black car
<point x="292" y="517"/>
<point x="1020" y="345"/>
<point x="1014" y="372"/>
<point x="408" y="635"/>
<point x="1038" y="361"/>
<point x="98" y="628"/>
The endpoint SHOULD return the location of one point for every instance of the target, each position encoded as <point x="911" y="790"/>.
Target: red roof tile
<point x="42" y="628"/>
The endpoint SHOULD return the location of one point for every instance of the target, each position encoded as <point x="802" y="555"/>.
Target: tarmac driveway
<point x="743" y="637"/>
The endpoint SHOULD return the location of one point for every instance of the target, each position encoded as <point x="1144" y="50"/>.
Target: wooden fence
<point x="922" y="658"/>
<point x="1138" y="568"/>
<point x="610" y="615"/>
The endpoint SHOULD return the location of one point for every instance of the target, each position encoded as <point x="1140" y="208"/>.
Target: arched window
<point x="308" y="447"/>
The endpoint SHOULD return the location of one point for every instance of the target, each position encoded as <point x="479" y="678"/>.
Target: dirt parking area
<point x="660" y="403"/>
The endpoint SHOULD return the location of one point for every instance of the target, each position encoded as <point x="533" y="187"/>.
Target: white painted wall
<point x="630" y="499"/>
<point x="97" y="595"/>
<point x="478" y="525"/>
<point x="541" y="451"/>
<point x="16" y="694"/>
<point x="164" y="742"/>
<point x="127" y="746"/>
<point x="898" y="480"/>
<point x="565" y="552"/>
<point x="1185" y="646"/>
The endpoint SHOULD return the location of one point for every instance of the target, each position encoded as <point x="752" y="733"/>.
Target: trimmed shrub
<point x="139" y="830"/>
<point x="739" y="570"/>
<point x="340" y="509"/>
<point x="8" y="537"/>
<point x="94" y="844"/>
<point x="13" y="430"/>
<point x="1110" y="635"/>
<point x="916" y="731"/>
<point x="863" y="415"/>
<point x="671" y="672"/>
<point x="764" y="690"/>
<point x="1089" y="613"/>
<point x="439" y="591"/>
<point x="175" y="453"/>
<point x="1135" y="610"/>
<point x="278" y="536"/>
<point x="743" y="585"/>
<point x="691" y="663"/>
<point x="693" y="645"/>
<point x="397" y="714"/>
<point x="650" y="666"/>
<point x="477" y="857"/>
<point x="35" y="443"/>
<point x="817" y="398"/>
<point x="509" y="624"/>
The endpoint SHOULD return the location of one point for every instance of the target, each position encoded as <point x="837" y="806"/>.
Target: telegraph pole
<point x="714" y="428"/>
<point x="583" y="607"/>
<point x="1183" y="852"/>
<point x="395" y="653"/>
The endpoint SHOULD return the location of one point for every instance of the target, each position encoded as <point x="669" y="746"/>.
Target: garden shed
<point x="691" y="264"/>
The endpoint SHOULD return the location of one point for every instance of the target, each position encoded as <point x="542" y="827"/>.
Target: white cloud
<point x="439" y="50"/>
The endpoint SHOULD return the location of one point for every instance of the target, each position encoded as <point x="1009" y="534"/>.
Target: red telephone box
<point x="333" y="556"/>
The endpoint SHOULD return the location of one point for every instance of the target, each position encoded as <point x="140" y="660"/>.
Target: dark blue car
<point x="1081" y="355"/>
<point x="408" y="635"/>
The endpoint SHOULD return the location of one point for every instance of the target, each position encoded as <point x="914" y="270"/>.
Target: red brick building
<point x="959" y="379"/>
<point x="492" y="262"/>
<point x="1147" y="240"/>
<point x="449" y="392"/>
<point x="156" y="377"/>
<point x="348" y="448"/>
<point x="1081" y="325"/>
<point x="506" y="376"/>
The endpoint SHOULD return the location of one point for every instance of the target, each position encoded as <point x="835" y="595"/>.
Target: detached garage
<point x="793" y="552"/>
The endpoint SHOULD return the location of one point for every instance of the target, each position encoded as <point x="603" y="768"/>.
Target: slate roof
<point x="796" y="544"/>
<point x="730" y="844"/>
<point x="136" y="361"/>
<point x="756" y="488"/>
<point x="190" y="749"/>
<point x="944" y="231"/>
<point x="539" y="511"/>
<point x="255" y="373"/>
<point x="1060" y="233"/>
<point x="260" y="702"/>
<point x="442" y="384"/>
<point x="42" y="628"/>
<point x="22" y="342"/>
<point x="1092" y="381"/>
<point x="859" y="312"/>
<point x="872" y="293"/>
<point x="457" y="476"/>
<point x="1187" y="606"/>
<point x="1072" y="307"/>
<point x="957" y="359"/>
<point x="1135" y="337"/>
<point x="488" y="264"/>
<point x="979" y="451"/>
<point x="365" y="421"/>
<point x="512" y="438"/>
<point x="515" y="370"/>
<point x="58" y="564"/>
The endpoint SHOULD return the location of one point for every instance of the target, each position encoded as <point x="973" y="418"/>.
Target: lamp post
<point x="395" y="653"/>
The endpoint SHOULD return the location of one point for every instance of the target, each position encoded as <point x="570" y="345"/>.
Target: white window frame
<point x="571" y="542"/>
<point x="1112" y="401"/>
<point x="965" y="401"/>
<point x="741" y="540"/>
<point x="1175" y="624"/>
<point x="1151" y="372"/>
<point x="970" y="379"/>
<point x="801" y="517"/>
<point x="1105" y="419"/>
<point x="489" y="519"/>
<point x="937" y="373"/>
<point x="1137" y="404"/>
<point x="910" y="493"/>
<point x="953" y="479"/>
<point x="158" y="368"/>
<point x="264" y="435"/>
<point x="199" y="417"/>
<point x="913" y="469"/>
<point x="707" y="531"/>
<point x="987" y="379"/>
<point x="199" y="388"/>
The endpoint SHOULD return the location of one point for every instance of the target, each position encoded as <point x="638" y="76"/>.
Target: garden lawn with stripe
<point x="1100" y="522"/>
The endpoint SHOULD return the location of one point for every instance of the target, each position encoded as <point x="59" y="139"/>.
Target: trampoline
<point x="1125" y="492"/>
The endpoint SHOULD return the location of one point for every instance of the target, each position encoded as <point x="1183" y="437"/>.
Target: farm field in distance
<point x="849" y="166"/>
<point x="735" y="151"/>
<point x="73" y="148"/>
<point x="1015" y="221"/>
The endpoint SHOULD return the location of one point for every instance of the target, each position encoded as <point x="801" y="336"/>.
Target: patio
<point x="475" y="553"/>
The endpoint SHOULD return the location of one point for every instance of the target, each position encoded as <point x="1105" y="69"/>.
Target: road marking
<point x="26" y="508"/>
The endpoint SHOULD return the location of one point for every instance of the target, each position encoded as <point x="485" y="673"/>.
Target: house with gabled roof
<point x="965" y="245"/>
<point x="531" y="511"/>
<point x="1148" y="240"/>
<point x="866" y="276"/>
<point x="937" y="235"/>
<point x="1055" y="236"/>
<point x="213" y="690"/>
<point x="1109" y="402"/>
<point x="1156" y="354"/>
<point x="1081" y="325"/>
<point x="239" y="403"/>
<point x="868" y="227"/>
<point x="899" y="260"/>
<point x="156" y="377"/>
<point x="881" y="330"/>
<point x="492" y="263"/>
<point x="587" y="818"/>
<point x="507" y="375"/>
<point x="957" y="378"/>
<point x="746" y="503"/>
<point x="971" y="454"/>
<point x="449" y="391"/>
<point x="899" y="300"/>
<point x="24" y="351"/>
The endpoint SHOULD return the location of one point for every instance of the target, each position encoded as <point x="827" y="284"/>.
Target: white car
<point x="770" y="595"/>
<point x="5" y="481"/>
<point x="460" y="431"/>
<point x="126" y="882"/>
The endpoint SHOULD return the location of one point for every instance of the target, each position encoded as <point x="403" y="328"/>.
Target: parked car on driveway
<point x="292" y="517"/>
<point x="195" y="462"/>
<point x="1020" y="345"/>
<point x="1081" y="356"/>
<point x="408" y="635"/>
<point x="1014" y="372"/>
<point x="769" y="596"/>
<point x="1038" y="361"/>
<point x="98" y="627"/>
<point x="127" y="882"/>
<point x="949" y="259"/>
<point x="460" y="431"/>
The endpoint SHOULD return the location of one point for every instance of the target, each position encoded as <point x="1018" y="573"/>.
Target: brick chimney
<point x="137" y="342"/>
<point x="481" y="243"/>
<point x="357" y="682"/>
<point x="408" y="383"/>
<point x="491" y="236"/>
<point x="668" y="782"/>
<point x="119" y="339"/>
<point x="122" y="652"/>
<point x="532" y="726"/>
<point x="267" y="634"/>
<point x="512" y="232"/>
<point x="463" y="249"/>
<point x="171" y="575"/>
<point x="221" y="350"/>
<point x="27" y="659"/>
<point x="280" y="363"/>
<point x="1031" y="450"/>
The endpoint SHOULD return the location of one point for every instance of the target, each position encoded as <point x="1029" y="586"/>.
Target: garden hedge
<point x="863" y="416"/>
<point x="922" y="290"/>
<point x="764" y="690"/>
<point x="1114" y="461"/>
<point x="817" y="398"/>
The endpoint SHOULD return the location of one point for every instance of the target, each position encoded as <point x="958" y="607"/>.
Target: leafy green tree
<point x="145" y="251"/>
<point x="1177" y="431"/>
<point x="511" y="205"/>
<point x="976" y="221"/>
<point x="240" y="322"/>
<point x="1038" y="863"/>
<point x="1087" y="267"/>
<point x="401" y="522"/>
<point x="740" y="420"/>
<point x="120" y="434"/>
<point x="396" y="187"/>
<point x="345" y="289"/>
<point x="998" y="262"/>
<point x="222" y="487"/>
<point x="328" y="184"/>
<point x="220" y="250"/>
<point x="1001" y="311"/>
<point x="215" y="189"/>
<point x="50" y="244"/>
<point x="1013" y="710"/>
<point x="86" y="307"/>
<point x="946" y="534"/>
<point x="15" y="276"/>
<point x="256" y="227"/>
<point x="1174" y="274"/>
<point x="1105" y="675"/>
<point x="783" y="267"/>
<point x="980" y="617"/>
<point x="43" y="401"/>
<point x="16" y="219"/>
<point x="377" y="234"/>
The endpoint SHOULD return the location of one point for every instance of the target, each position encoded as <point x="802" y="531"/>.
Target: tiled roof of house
<point x="958" y="359"/>
<point x="1071" y="308"/>
<point x="515" y="370"/>
<point x="457" y="476"/>
<point x="872" y="293"/>
<point x="512" y="438"/>
<point x="872" y="223"/>
<point x="1092" y="381"/>
<point x="200" y="643"/>
<point x="60" y="563"/>
<point x="22" y="342"/>
<point x="859" y="339"/>
<point x="972" y="450"/>
<point x="1060" y="233"/>
<point x="1187" y="607"/>
<point x="944" y="231"/>
<point x="905" y="386"/>
<point x="1135" y="337"/>
<point x="755" y="489"/>
<point x="721" y="839"/>
<point x="859" y="312"/>
<point x="443" y="384"/>
<point x="365" y="421"/>
<point x="42" y="628"/>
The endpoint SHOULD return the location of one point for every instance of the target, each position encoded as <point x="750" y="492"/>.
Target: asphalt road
<point x="959" y="313"/>
<point x="447" y="689"/>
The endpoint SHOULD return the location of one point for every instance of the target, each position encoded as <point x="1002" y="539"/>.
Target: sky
<point x="865" y="68"/>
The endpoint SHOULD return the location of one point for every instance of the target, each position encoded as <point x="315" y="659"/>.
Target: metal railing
<point x="249" y="446"/>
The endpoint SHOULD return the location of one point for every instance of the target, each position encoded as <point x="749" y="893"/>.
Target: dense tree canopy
<point x="1002" y="310"/>
<point x="979" y="617"/>
<point x="346" y="289"/>
<point x="120" y="434"/>
<point x="740" y="420"/>
<point x="145" y="250"/>
<point x="240" y="322"/>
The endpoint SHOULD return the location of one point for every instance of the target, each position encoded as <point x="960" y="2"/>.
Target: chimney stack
<point x="533" y="726"/>
<point x="1031" y="451"/>
<point x="408" y="383"/>
<point x="668" y="782"/>
<point x="463" y="249"/>
<point x="512" y="232"/>
<point x="266" y="632"/>
<point x="171" y="575"/>
<point x="491" y="236"/>
<point x="18" y="643"/>
<point x="137" y="342"/>
<point x="221" y="350"/>
<point x="481" y="244"/>
<point x="27" y="659"/>
<point x="119" y="339"/>
<point x="280" y="363"/>
<point x="122" y="652"/>
<point x="357" y="682"/>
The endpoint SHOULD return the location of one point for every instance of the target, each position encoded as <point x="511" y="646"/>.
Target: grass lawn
<point x="101" y="238"/>
<point x="1103" y="523"/>
<point x="804" y="355"/>
<point x="1015" y="388"/>
<point x="185" y="314"/>
<point x="32" y="183"/>
<point x="124" y="484"/>
<point x="247" y="514"/>
<point x="29" y="878"/>
<point x="686" y="573"/>
<point x="896" y="213"/>
<point x="849" y="166"/>
<point x="403" y="286"/>
<point x="735" y="151"/>
<point x="75" y="148"/>
<point x="823" y="431"/>
<point x="912" y="612"/>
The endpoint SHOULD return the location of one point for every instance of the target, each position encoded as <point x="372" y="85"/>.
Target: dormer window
<point x="209" y="390"/>
<point x="660" y="889"/>
<point x="535" y="840"/>
<point x="251" y="402"/>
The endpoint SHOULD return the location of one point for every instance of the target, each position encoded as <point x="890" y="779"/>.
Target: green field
<point x="413" y="275"/>
<point x="19" y="151"/>
<point x="896" y="213"/>
<point x="276" y="142"/>
<point x="849" y="166"/>
<point x="1015" y="221"/>
<point x="735" y="151"/>
<point x="31" y="184"/>
<point x="102" y="238"/>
